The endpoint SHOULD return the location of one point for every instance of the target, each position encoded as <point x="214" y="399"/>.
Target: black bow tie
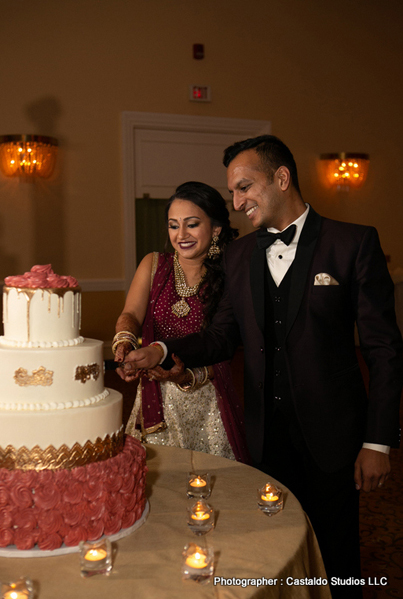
<point x="265" y="239"/>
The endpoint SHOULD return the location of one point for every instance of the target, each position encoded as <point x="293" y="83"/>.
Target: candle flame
<point x="198" y="482"/>
<point x="200" y="515"/>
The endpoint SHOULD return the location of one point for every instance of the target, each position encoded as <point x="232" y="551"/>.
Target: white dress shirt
<point x="279" y="255"/>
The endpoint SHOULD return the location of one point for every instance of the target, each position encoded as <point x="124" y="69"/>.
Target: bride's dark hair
<point x="213" y="204"/>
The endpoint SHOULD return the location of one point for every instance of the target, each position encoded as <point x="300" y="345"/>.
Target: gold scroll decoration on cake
<point x="64" y="457"/>
<point x="84" y="373"/>
<point x="40" y="376"/>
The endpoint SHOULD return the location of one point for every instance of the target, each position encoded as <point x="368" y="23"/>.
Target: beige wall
<point x="327" y="75"/>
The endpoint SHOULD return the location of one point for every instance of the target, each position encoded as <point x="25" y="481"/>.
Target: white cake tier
<point x="62" y="427"/>
<point x="41" y="317"/>
<point x="51" y="379"/>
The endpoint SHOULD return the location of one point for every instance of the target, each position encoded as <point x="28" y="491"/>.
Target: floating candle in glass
<point x="20" y="589"/>
<point x="198" y="563"/>
<point x="95" y="557"/>
<point x="198" y="485"/>
<point x="270" y="499"/>
<point x="200" y="517"/>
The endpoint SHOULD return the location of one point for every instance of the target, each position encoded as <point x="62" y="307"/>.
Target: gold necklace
<point x="182" y="308"/>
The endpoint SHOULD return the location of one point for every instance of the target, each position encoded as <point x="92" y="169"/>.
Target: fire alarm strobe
<point x="200" y="93"/>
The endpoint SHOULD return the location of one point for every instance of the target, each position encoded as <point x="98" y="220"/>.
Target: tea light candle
<point x="95" y="555"/>
<point x="270" y="499"/>
<point x="197" y="482"/>
<point x="197" y="560"/>
<point x="21" y="589"/>
<point x="198" y="563"/>
<point x="200" y="517"/>
<point x="15" y="595"/>
<point x="269" y="496"/>
<point x="198" y="485"/>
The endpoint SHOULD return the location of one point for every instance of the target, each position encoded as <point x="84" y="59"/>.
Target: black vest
<point x="277" y="389"/>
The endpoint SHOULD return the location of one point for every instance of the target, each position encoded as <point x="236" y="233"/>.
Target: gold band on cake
<point x="64" y="457"/>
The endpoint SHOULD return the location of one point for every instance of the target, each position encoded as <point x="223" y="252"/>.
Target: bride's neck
<point x="193" y="269"/>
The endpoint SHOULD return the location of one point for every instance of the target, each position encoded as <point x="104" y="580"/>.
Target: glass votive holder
<point x="200" y="517"/>
<point x="270" y="499"/>
<point x="198" y="563"/>
<point x="20" y="589"/>
<point x="199" y="485"/>
<point x="95" y="557"/>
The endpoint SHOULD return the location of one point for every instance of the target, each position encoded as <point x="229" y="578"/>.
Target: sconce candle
<point x="198" y="563"/>
<point x="198" y="485"/>
<point x="270" y="499"/>
<point x="28" y="155"/>
<point x="95" y="557"/>
<point x="21" y="589"/>
<point x="345" y="170"/>
<point x="200" y="517"/>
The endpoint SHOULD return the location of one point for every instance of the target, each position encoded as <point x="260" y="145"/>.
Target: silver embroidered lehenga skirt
<point x="193" y="421"/>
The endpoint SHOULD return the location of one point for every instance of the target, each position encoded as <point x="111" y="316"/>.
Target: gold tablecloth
<point x="247" y="543"/>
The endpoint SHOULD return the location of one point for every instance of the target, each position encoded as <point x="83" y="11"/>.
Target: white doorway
<point x="161" y="151"/>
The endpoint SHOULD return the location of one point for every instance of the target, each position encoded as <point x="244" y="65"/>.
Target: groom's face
<point x="253" y="192"/>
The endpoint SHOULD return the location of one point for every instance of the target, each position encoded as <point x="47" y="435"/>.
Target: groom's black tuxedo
<point x="335" y="414"/>
<point x="310" y="441"/>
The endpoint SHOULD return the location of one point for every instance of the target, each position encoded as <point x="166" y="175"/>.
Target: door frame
<point x="166" y="122"/>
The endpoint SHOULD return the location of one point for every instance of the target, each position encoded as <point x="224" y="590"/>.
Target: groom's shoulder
<point x="241" y="245"/>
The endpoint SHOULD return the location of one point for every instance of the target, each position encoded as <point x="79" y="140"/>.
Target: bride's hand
<point x="176" y="374"/>
<point x="128" y="372"/>
<point x="122" y="350"/>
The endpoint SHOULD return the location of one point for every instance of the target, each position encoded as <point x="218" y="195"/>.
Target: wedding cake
<point x="67" y="473"/>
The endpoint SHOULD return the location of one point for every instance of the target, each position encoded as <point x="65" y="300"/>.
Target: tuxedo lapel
<point x="302" y="263"/>
<point x="257" y="265"/>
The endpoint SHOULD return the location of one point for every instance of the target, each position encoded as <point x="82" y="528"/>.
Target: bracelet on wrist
<point x="200" y="376"/>
<point x="123" y="337"/>
<point x="188" y="386"/>
<point x="158" y="345"/>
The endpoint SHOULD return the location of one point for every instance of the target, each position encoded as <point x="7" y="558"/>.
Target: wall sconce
<point x="345" y="170"/>
<point x="27" y="155"/>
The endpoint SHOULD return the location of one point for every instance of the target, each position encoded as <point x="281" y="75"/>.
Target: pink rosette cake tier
<point x="49" y="508"/>
<point x="67" y="473"/>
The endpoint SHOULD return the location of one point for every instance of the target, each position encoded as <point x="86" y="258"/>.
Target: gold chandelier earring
<point x="214" y="250"/>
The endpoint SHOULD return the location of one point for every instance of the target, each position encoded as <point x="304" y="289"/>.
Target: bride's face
<point x="190" y="229"/>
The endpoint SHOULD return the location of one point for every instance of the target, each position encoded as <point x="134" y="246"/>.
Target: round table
<point x="279" y="553"/>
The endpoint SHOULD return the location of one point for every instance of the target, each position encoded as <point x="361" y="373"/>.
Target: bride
<point x="172" y="295"/>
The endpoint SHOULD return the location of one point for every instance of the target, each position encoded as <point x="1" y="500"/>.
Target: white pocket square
<point x="324" y="279"/>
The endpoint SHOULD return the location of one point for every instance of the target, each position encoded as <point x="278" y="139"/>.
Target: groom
<point x="292" y="300"/>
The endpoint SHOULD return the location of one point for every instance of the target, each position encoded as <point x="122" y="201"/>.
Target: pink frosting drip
<point x="50" y="508"/>
<point x="41" y="276"/>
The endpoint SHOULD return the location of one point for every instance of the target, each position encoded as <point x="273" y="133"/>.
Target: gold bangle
<point x="126" y="336"/>
<point x="126" y="333"/>
<point x="188" y="386"/>
<point x="120" y="341"/>
<point x="201" y="375"/>
<point x="206" y="375"/>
